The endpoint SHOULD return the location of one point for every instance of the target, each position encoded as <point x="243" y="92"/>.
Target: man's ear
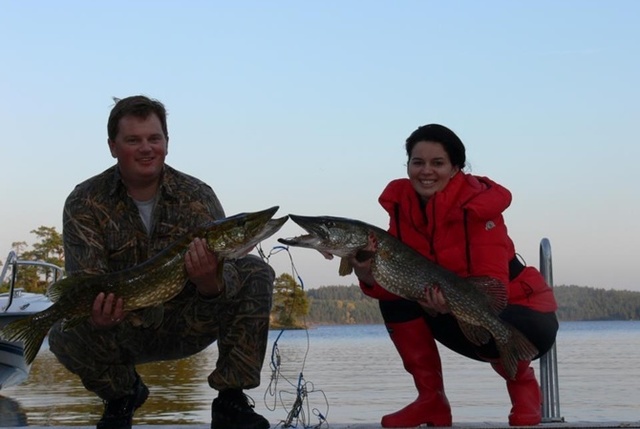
<point x="112" y="147"/>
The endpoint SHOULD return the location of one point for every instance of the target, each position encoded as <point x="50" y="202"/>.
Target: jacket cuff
<point x="378" y="292"/>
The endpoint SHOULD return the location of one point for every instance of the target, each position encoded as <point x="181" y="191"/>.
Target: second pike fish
<point x="151" y="283"/>
<point x="398" y="268"/>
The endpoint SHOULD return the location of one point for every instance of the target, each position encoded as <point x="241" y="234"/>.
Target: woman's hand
<point x="107" y="311"/>
<point x="434" y="300"/>
<point x="361" y="262"/>
<point x="202" y="268"/>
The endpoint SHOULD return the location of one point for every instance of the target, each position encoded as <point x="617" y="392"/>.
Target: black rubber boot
<point x="232" y="410"/>
<point x="118" y="413"/>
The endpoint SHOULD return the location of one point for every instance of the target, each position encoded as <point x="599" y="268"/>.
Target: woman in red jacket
<point x="455" y="219"/>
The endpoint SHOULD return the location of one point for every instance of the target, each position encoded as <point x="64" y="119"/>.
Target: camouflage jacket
<point x="102" y="228"/>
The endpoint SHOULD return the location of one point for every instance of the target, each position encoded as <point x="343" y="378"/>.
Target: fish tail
<point x="30" y="332"/>
<point x="517" y="348"/>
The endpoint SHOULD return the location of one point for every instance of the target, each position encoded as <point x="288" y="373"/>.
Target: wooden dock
<point x="461" y="425"/>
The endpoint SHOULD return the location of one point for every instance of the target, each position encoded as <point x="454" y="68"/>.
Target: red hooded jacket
<point x="462" y="229"/>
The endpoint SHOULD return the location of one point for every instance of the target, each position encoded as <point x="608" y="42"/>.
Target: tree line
<point x="294" y="307"/>
<point x="348" y="305"/>
<point x="49" y="248"/>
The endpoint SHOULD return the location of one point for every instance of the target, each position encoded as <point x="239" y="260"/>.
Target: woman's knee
<point x="400" y="310"/>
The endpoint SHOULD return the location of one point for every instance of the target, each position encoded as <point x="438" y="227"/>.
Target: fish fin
<point x="73" y="322"/>
<point x="474" y="333"/>
<point x="55" y="290"/>
<point x="62" y="286"/>
<point x="31" y="333"/>
<point x="517" y="348"/>
<point x="494" y="290"/>
<point x="345" y="267"/>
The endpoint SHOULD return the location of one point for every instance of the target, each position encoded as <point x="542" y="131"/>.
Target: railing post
<point x="10" y="263"/>
<point x="549" y="361"/>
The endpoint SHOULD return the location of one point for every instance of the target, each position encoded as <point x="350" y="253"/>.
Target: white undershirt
<point x="146" y="211"/>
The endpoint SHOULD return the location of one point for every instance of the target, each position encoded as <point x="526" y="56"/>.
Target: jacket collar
<point x="479" y="195"/>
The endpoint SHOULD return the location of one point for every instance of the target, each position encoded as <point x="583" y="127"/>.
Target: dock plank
<point x="456" y="425"/>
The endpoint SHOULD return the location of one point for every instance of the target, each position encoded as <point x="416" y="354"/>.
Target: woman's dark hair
<point x="439" y="134"/>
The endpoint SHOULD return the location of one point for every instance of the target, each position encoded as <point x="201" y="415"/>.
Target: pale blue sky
<point x="306" y="105"/>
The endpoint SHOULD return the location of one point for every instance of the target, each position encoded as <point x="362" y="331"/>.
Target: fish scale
<point x="398" y="268"/>
<point x="149" y="284"/>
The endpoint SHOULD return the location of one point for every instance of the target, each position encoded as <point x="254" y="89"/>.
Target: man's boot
<point x="118" y="413"/>
<point x="524" y="391"/>
<point x="421" y="359"/>
<point x="232" y="410"/>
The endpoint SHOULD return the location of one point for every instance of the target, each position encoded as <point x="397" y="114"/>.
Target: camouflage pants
<point x="239" y="320"/>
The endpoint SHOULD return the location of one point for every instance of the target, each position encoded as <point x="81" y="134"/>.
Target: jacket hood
<point x="488" y="199"/>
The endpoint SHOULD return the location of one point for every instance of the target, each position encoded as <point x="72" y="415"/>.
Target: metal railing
<point x="13" y="263"/>
<point x="549" y="361"/>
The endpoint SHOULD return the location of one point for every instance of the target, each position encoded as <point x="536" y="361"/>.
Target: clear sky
<point x="306" y="105"/>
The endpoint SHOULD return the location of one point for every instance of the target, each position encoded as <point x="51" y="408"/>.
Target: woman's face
<point x="429" y="168"/>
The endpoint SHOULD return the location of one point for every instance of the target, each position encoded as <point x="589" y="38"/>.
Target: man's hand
<point x="107" y="311"/>
<point x="202" y="268"/>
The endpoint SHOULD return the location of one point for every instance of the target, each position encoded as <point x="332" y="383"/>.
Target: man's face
<point x="140" y="148"/>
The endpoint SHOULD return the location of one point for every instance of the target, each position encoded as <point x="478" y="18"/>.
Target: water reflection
<point x="11" y="413"/>
<point x="350" y="374"/>
<point x="179" y="392"/>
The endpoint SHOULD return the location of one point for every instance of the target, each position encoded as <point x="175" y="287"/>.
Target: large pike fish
<point x="149" y="284"/>
<point x="474" y="302"/>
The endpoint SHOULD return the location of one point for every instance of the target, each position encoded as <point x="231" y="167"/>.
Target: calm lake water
<point x="349" y="374"/>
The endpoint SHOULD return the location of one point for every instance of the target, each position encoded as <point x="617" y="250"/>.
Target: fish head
<point x="338" y="236"/>
<point x="271" y="227"/>
<point x="236" y="235"/>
